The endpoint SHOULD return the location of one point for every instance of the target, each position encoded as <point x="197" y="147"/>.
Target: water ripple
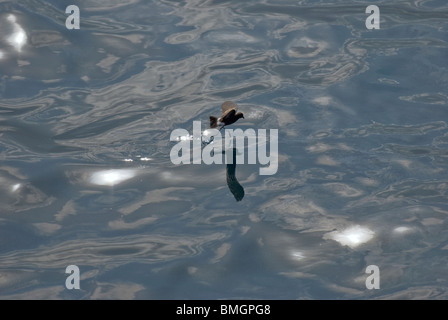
<point x="86" y="176"/>
<point x="111" y="252"/>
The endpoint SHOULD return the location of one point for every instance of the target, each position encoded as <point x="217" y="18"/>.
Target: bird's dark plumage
<point x="229" y="115"/>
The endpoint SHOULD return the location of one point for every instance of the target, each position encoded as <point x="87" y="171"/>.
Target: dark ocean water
<point x="86" y="177"/>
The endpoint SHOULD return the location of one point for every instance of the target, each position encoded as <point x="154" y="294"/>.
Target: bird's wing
<point x="228" y="105"/>
<point x="227" y="115"/>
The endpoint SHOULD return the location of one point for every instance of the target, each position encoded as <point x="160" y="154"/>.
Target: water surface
<point x="86" y="177"/>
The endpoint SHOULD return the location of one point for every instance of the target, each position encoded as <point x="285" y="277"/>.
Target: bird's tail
<point x="213" y="122"/>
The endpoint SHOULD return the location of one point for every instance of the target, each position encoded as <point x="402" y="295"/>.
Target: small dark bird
<point x="229" y="115"/>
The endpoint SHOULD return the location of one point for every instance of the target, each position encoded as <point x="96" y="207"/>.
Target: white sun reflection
<point x="352" y="236"/>
<point x="112" y="177"/>
<point x="297" y="255"/>
<point x="18" y="37"/>
<point x="402" y="230"/>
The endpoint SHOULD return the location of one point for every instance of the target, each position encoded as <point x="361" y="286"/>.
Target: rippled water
<point x="86" y="176"/>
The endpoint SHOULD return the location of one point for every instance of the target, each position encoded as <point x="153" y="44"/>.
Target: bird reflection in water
<point x="234" y="186"/>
